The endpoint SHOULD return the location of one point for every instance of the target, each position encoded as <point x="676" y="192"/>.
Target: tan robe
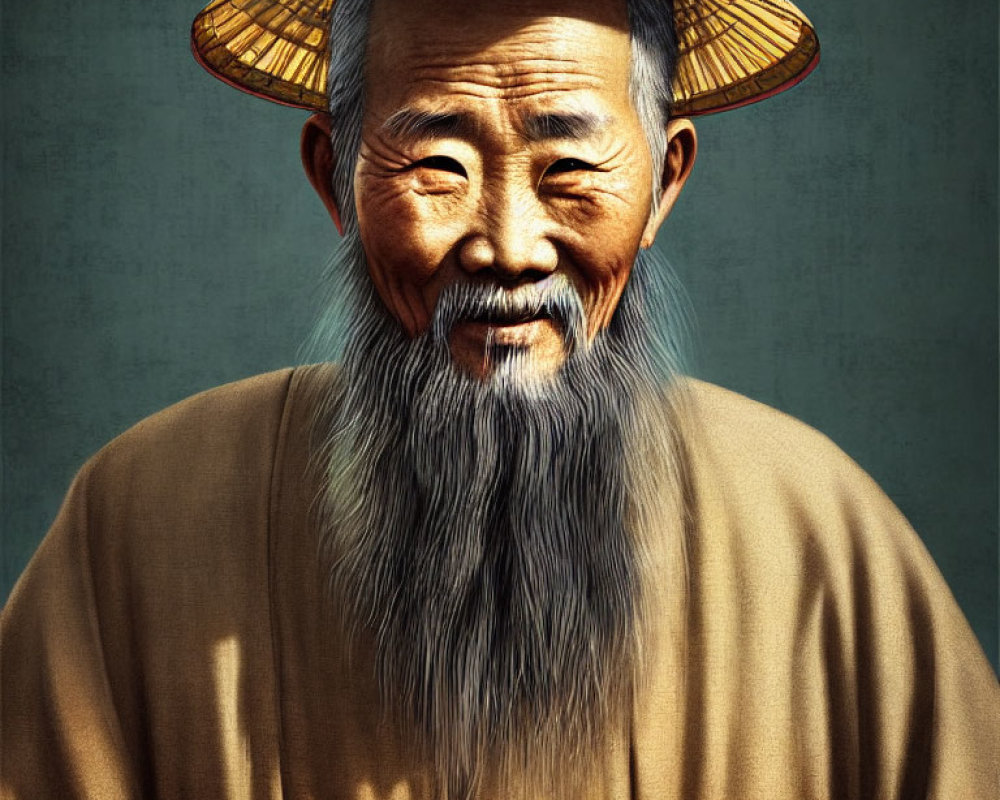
<point x="168" y="639"/>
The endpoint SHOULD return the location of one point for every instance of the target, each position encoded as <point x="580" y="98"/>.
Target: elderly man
<point x="502" y="550"/>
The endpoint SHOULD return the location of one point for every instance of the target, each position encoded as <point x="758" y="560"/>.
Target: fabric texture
<point x="172" y="637"/>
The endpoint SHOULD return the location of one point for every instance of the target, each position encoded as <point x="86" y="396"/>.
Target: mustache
<point x="553" y="297"/>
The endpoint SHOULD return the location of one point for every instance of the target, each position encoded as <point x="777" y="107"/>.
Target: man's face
<point x="500" y="146"/>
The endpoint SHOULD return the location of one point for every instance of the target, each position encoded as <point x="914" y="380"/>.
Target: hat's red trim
<point x="757" y="98"/>
<point x="230" y="82"/>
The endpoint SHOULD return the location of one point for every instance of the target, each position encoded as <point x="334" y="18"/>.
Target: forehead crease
<point x="521" y="55"/>
<point x="505" y="72"/>
<point x="538" y="91"/>
<point x="545" y="39"/>
<point x="532" y="48"/>
<point x="539" y="52"/>
<point x="433" y="89"/>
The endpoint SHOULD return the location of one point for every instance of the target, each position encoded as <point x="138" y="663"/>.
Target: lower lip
<point x="521" y="334"/>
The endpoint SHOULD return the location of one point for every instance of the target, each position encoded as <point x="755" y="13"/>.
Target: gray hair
<point x="654" y="53"/>
<point x="491" y="540"/>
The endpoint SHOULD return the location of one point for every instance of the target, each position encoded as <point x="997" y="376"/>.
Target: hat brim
<point x="731" y="52"/>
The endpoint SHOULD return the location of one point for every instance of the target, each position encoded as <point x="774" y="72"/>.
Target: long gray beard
<point x="489" y="537"/>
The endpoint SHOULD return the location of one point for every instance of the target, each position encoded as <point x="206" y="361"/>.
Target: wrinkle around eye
<point x="438" y="163"/>
<point x="564" y="165"/>
<point x="581" y="185"/>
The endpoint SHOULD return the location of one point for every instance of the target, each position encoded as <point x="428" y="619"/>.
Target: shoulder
<point x="749" y="452"/>
<point x="731" y="426"/>
<point x="778" y="504"/>
<point x="229" y="431"/>
<point x="181" y="503"/>
<point x="778" y="501"/>
<point x="204" y="463"/>
<point x="808" y="585"/>
<point x="211" y="424"/>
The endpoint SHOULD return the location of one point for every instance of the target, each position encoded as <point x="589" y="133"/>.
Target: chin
<point x="513" y="367"/>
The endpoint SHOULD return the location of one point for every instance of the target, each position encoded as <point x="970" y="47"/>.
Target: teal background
<point x="839" y="243"/>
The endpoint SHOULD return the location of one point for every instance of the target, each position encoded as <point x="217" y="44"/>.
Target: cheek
<point x="606" y="285"/>
<point x="406" y="244"/>
<point x="604" y="258"/>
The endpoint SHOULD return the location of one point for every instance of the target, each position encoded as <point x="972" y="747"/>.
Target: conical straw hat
<point x="732" y="52"/>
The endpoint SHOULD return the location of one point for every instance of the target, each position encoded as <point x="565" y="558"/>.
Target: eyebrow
<point x="410" y="124"/>
<point x="571" y="125"/>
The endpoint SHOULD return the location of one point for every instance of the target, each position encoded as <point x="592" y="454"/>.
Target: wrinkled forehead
<point x="493" y="44"/>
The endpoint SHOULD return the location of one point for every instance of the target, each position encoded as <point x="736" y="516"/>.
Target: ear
<point x="682" y="148"/>
<point x="317" y="159"/>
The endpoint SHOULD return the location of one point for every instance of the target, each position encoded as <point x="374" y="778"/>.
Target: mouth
<point x="505" y="319"/>
<point x="530" y="329"/>
<point x="507" y="328"/>
<point x="495" y="331"/>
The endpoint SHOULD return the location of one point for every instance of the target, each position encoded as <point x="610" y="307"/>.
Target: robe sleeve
<point x="926" y="698"/>
<point x="827" y="656"/>
<point x="62" y="734"/>
<point x="136" y="650"/>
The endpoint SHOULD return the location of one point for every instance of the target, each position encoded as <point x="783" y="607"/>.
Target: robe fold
<point x="173" y="637"/>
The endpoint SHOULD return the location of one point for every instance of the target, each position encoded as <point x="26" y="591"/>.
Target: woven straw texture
<point x="732" y="52"/>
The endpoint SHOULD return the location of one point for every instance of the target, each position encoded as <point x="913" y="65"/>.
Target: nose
<point x="509" y="242"/>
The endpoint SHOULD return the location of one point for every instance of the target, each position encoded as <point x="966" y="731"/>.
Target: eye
<point x="569" y="165"/>
<point x="442" y="163"/>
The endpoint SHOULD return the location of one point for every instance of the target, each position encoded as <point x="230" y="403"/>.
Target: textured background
<point x="839" y="243"/>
